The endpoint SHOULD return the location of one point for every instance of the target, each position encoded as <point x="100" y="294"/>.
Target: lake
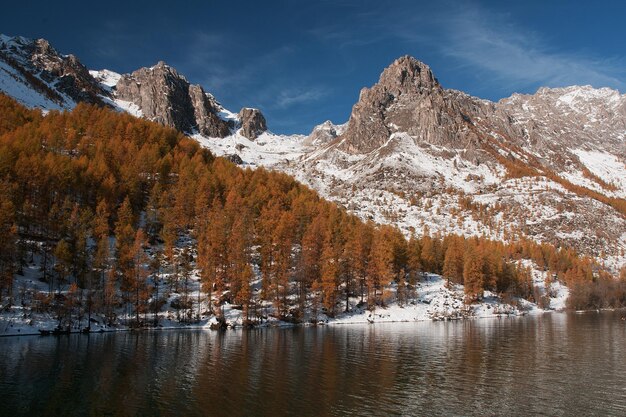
<point x="554" y="364"/>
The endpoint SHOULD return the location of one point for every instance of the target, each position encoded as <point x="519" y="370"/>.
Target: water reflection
<point x="553" y="365"/>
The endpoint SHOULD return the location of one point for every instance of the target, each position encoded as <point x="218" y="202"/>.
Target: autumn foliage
<point x="71" y="182"/>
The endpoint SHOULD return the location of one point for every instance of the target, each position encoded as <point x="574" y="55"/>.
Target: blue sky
<point x="303" y="62"/>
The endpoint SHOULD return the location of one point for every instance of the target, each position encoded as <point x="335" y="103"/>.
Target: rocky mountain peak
<point x="407" y="75"/>
<point x="252" y="122"/>
<point x="324" y="133"/>
<point x="44" y="47"/>
<point x="61" y="79"/>
<point x="407" y="99"/>
<point x="165" y="96"/>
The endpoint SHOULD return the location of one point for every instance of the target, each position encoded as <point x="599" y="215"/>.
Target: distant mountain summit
<point x="548" y="166"/>
<point x="408" y="98"/>
<point x="35" y="74"/>
<point x="165" y="96"/>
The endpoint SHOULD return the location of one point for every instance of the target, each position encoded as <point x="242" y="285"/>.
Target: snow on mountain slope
<point x="27" y="87"/>
<point x="549" y="166"/>
<point x="459" y="170"/>
<point x="56" y="81"/>
<point x="15" y="85"/>
<point x="607" y="167"/>
<point x="106" y="78"/>
<point x="267" y="150"/>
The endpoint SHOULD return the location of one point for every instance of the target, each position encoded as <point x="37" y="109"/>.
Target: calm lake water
<point x="556" y="364"/>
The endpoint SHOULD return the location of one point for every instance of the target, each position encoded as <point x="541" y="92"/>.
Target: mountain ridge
<point x="549" y="166"/>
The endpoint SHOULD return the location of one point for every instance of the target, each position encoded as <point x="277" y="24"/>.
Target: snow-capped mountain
<point x="36" y="75"/>
<point x="161" y="94"/>
<point x="548" y="166"/>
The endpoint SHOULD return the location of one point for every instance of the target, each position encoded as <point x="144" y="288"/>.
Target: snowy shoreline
<point x="360" y="319"/>
<point x="432" y="300"/>
<point x="283" y="324"/>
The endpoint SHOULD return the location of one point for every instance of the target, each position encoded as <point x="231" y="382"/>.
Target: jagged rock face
<point x="74" y="78"/>
<point x="205" y="113"/>
<point x="324" y="133"/>
<point x="161" y="94"/>
<point x="408" y="98"/>
<point x="550" y="166"/>
<point x="252" y="123"/>
<point x="61" y="79"/>
<point x="557" y="118"/>
<point x="166" y="97"/>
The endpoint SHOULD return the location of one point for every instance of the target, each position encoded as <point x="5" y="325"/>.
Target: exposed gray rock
<point x="234" y="158"/>
<point x="57" y="76"/>
<point x="166" y="97"/>
<point x="74" y="78"/>
<point x="413" y="139"/>
<point x="252" y="123"/>
<point x="161" y="94"/>
<point x="324" y="133"/>
<point x="408" y="98"/>
<point x="205" y="114"/>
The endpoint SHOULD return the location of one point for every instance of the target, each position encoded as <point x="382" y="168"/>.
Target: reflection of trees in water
<point x="513" y="366"/>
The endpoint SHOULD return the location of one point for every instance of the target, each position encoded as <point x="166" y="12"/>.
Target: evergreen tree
<point x="380" y="271"/>
<point x="473" y="277"/>
<point x="453" y="261"/>
<point x="329" y="275"/>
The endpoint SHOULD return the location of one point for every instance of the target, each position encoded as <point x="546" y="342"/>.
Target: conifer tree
<point x="453" y="261"/>
<point x="8" y="233"/>
<point x="329" y="275"/>
<point x="380" y="267"/>
<point x="309" y="261"/>
<point x="414" y="259"/>
<point x="63" y="263"/>
<point x="139" y="277"/>
<point x="473" y="277"/>
<point x="283" y="236"/>
<point x="428" y="254"/>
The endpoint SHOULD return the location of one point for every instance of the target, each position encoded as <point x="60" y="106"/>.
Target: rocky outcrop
<point x="324" y="133"/>
<point x="252" y="123"/>
<point x="166" y="97"/>
<point x="60" y="78"/>
<point x="234" y="158"/>
<point x="73" y="77"/>
<point x="206" y="114"/>
<point x="577" y="116"/>
<point x="408" y="98"/>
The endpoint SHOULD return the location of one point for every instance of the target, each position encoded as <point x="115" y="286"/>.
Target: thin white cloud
<point x="502" y="54"/>
<point x="491" y="43"/>
<point x="290" y="97"/>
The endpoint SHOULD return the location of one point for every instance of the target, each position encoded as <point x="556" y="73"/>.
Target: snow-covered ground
<point x="436" y="302"/>
<point x="432" y="301"/>
<point x="607" y="167"/>
<point x="267" y="150"/>
<point x="13" y="84"/>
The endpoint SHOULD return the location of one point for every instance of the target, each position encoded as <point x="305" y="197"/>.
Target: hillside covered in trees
<point x="120" y="216"/>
